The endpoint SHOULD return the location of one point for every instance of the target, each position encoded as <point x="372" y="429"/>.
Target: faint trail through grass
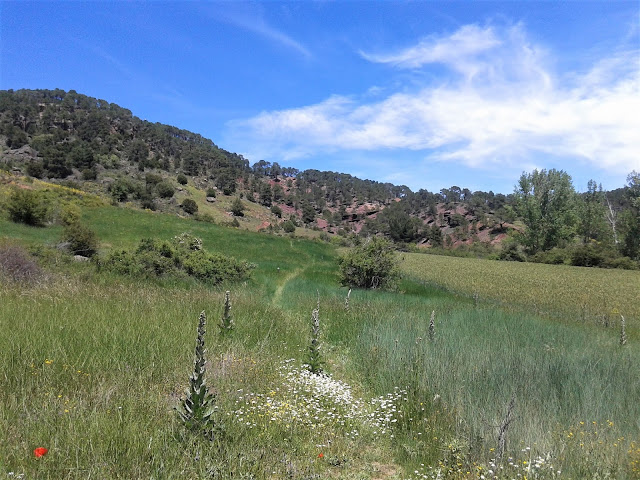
<point x="283" y="283"/>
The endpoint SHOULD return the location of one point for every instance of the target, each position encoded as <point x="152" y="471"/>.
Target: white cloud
<point x="454" y="49"/>
<point x="250" y="17"/>
<point x="504" y="107"/>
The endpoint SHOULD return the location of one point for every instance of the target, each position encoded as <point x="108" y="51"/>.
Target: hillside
<point x="79" y="141"/>
<point x="69" y="137"/>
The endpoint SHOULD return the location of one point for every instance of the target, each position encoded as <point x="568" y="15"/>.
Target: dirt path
<point x="283" y="283"/>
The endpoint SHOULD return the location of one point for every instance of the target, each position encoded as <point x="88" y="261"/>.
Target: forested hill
<point x="69" y="137"/>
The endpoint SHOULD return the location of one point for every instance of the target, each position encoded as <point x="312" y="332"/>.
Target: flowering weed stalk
<point x="199" y="405"/>
<point x="314" y="362"/>
<point x="226" y="323"/>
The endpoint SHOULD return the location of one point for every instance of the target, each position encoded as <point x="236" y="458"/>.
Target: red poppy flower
<point x="320" y="455"/>
<point x="40" y="452"/>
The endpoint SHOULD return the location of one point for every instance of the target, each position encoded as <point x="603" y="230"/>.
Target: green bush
<point x="288" y="226"/>
<point x="237" y="207"/>
<point x="152" y="178"/>
<point x="587" y="255"/>
<point x="181" y="179"/>
<point x="211" y="192"/>
<point x="511" y="251"/>
<point x="370" y="265"/>
<point x="28" y="206"/>
<point x="276" y="210"/>
<point x="122" y="188"/>
<point x="82" y="240"/>
<point x="189" y="206"/>
<point x="555" y="256"/>
<point x="165" y="189"/>
<point x="181" y="257"/>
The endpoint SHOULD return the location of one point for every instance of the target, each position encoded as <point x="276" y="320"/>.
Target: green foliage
<point x="189" y="206"/>
<point x="70" y="214"/>
<point x="276" y="210"/>
<point x="288" y="226"/>
<point x="199" y="405"/>
<point x="152" y="178"/>
<point x="370" y="265"/>
<point x="28" y="206"/>
<point x="308" y="212"/>
<point x="398" y="224"/>
<point x="211" y="192"/>
<point x="121" y="188"/>
<point x="82" y="240"/>
<point x="183" y="256"/>
<point x="237" y="207"/>
<point x="546" y="202"/>
<point x="181" y="179"/>
<point x="165" y="189"/>
<point x="35" y="169"/>
<point x="630" y="223"/>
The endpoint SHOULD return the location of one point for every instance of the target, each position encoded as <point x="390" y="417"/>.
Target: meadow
<point x="92" y="365"/>
<point x="591" y="295"/>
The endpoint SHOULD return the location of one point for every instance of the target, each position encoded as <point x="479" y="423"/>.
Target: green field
<point x="92" y="364"/>
<point x="592" y="295"/>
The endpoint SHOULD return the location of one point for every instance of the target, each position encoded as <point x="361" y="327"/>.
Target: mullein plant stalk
<point x="623" y="331"/>
<point x="198" y="406"/>
<point x="226" y="323"/>
<point x="314" y="362"/>
<point x="432" y="326"/>
<point x="346" y="300"/>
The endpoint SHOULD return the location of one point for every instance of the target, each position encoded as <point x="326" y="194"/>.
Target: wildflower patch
<point x="319" y="401"/>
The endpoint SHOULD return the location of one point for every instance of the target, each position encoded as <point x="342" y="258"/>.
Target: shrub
<point x="152" y="178"/>
<point x="122" y="188"/>
<point x="586" y="255"/>
<point x="370" y="265"/>
<point x="89" y="174"/>
<point x="181" y="179"/>
<point x="276" y="210"/>
<point x="181" y="257"/>
<point x="165" y="189"/>
<point x="511" y="252"/>
<point x="82" y="240"/>
<point x="17" y="266"/>
<point x="189" y="206"/>
<point x="70" y="214"/>
<point x="35" y="169"/>
<point x="237" y="207"/>
<point x="288" y="226"/>
<point x="211" y="192"/>
<point x="27" y="206"/>
<point x="555" y="256"/>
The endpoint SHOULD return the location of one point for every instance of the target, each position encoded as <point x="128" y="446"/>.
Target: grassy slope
<point x="92" y="365"/>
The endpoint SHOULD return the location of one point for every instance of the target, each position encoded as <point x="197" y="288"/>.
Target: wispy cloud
<point x="504" y="106"/>
<point x="468" y="41"/>
<point x="250" y="17"/>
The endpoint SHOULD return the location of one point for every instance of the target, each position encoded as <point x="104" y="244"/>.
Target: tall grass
<point x="91" y="366"/>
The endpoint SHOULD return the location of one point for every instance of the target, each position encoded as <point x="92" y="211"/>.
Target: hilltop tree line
<point x="76" y="136"/>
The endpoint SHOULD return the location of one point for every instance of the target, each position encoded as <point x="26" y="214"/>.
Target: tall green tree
<point x="592" y="218"/>
<point x="630" y="218"/>
<point x="546" y="202"/>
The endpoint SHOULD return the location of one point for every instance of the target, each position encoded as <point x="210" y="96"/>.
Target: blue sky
<point x="426" y="94"/>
